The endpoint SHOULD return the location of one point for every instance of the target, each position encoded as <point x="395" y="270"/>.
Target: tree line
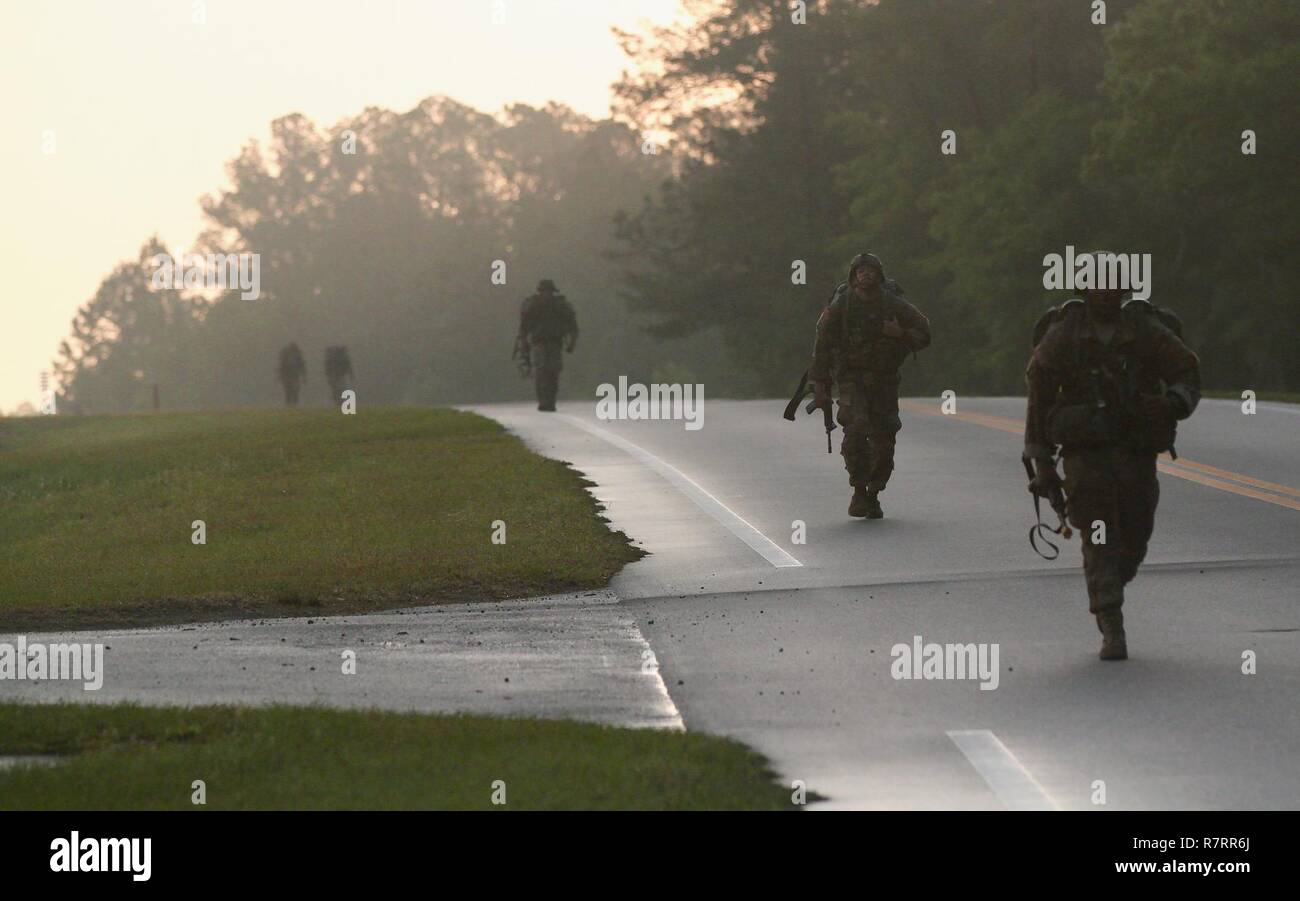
<point x="756" y="144"/>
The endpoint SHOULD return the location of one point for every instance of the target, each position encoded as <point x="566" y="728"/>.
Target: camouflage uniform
<point x="546" y="320"/>
<point x="1109" y="451"/>
<point x="852" y="350"/>
<point x="291" y="372"/>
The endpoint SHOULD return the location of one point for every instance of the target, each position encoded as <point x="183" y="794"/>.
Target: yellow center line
<point x="1200" y="473"/>
<point x="1173" y="470"/>
<point x="1258" y="483"/>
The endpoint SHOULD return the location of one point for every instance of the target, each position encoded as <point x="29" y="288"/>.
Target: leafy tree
<point x="748" y="94"/>
<point x="1186" y="80"/>
<point x="389" y="250"/>
<point x="125" y="338"/>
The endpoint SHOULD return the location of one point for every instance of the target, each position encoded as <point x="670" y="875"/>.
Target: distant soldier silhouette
<point x="292" y="372"/>
<point x="338" y="371"/>
<point x="547" y="322"/>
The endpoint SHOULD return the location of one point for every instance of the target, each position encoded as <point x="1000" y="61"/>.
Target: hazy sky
<point x="146" y="107"/>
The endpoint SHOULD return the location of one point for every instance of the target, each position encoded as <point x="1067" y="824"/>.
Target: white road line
<point x="1008" y="778"/>
<point x="667" y="709"/>
<point x="734" y="522"/>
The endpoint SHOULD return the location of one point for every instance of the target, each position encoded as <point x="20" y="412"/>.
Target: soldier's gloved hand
<point x="891" y="328"/>
<point x="822" y="395"/>
<point x="1046" y="479"/>
<point x="1156" y="406"/>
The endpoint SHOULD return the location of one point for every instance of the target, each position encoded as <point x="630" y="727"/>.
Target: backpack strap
<point x="1165" y="316"/>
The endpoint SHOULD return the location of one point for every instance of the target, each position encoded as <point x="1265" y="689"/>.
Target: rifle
<point x="799" y="394"/>
<point x="1059" y="505"/>
<point x="523" y="353"/>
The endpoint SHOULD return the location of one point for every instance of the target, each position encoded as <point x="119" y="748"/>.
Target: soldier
<point x="1107" y="384"/>
<point x="292" y="372"/>
<point x="863" y="336"/>
<point x="546" y="321"/>
<point x="338" y="371"/>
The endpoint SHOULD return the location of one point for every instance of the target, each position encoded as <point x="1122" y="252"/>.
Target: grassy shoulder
<point x="305" y="511"/>
<point x="125" y="757"/>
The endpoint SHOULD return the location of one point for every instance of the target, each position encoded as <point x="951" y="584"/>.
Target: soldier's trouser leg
<point x="883" y="425"/>
<point x="539" y="383"/>
<point x="1139" y="496"/>
<point x="855" y="448"/>
<point x="548" y="360"/>
<point x="553" y="386"/>
<point x="1116" y="487"/>
<point x="291" y="393"/>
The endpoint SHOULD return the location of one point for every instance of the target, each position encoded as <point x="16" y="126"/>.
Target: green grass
<point x="306" y="511"/>
<point x="128" y="757"/>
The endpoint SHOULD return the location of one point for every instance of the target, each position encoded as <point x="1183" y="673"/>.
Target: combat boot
<point x="859" y="506"/>
<point x="873" y="505"/>
<point x="1114" y="644"/>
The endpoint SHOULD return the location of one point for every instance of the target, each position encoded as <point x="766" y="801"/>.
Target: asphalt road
<point x="573" y="656"/>
<point x="787" y="645"/>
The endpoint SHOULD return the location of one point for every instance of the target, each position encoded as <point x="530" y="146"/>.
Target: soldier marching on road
<point x="548" y="327"/>
<point x="338" y="372"/>
<point x="1108" y="382"/>
<point x="864" y="335"/>
<point x="292" y="372"/>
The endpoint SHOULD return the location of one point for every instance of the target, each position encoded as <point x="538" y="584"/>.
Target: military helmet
<point x="866" y="259"/>
<point x="1126" y="293"/>
<point x="546" y="285"/>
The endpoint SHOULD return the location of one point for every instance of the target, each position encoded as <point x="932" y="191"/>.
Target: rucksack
<point x="1165" y="316"/>
<point x="1084" y="425"/>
